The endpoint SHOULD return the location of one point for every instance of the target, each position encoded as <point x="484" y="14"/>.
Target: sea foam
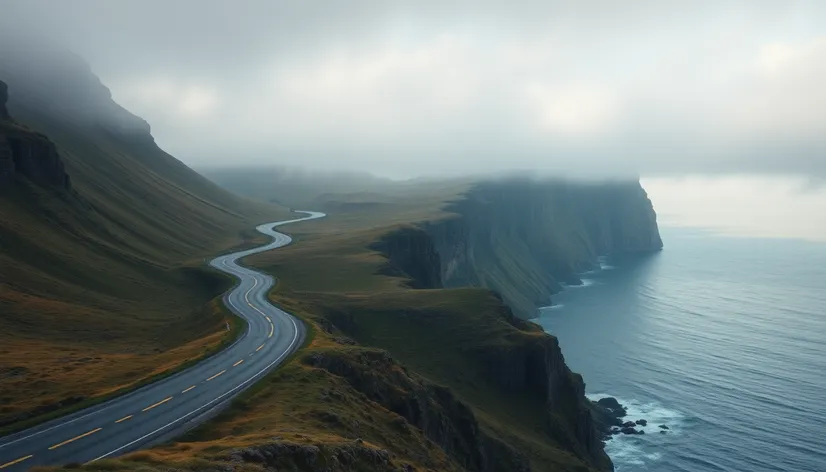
<point x="632" y="452"/>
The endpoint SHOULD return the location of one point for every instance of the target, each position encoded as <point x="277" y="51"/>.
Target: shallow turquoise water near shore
<point x="722" y="339"/>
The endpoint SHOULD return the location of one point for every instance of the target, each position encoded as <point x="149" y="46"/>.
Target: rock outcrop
<point x="526" y="239"/>
<point x="285" y="455"/>
<point x="27" y="154"/>
<point x="411" y="254"/>
<point x="4" y="98"/>
<point x="443" y="418"/>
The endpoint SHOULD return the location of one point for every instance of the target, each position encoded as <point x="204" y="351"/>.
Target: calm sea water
<point x="722" y="339"/>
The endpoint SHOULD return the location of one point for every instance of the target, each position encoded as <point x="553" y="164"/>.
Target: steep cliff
<point x="522" y="239"/>
<point x="519" y="359"/>
<point x="412" y="255"/>
<point x="525" y="239"/>
<point x="27" y="154"/>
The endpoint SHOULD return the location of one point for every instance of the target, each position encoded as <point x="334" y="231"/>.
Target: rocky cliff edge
<point x="27" y="154"/>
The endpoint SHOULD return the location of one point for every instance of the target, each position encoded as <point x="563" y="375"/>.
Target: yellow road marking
<point x="190" y="388"/>
<point x="259" y="348"/>
<point x="268" y="319"/>
<point x="75" y="438"/>
<point x="16" y="461"/>
<point x="156" y="404"/>
<point x="272" y="329"/>
<point x="242" y="360"/>
<point x="216" y="375"/>
<point x="123" y="419"/>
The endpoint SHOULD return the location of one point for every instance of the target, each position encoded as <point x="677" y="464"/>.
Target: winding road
<point x="162" y="410"/>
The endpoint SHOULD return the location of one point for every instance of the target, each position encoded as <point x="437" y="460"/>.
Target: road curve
<point x="164" y="409"/>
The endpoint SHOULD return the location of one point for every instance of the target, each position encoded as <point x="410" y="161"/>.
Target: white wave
<point x="558" y="306"/>
<point x="605" y="266"/>
<point x="630" y="452"/>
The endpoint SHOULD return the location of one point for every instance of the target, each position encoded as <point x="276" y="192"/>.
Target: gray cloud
<point x="402" y="89"/>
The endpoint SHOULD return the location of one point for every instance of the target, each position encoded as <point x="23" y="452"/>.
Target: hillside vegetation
<point x="102" y="241"/>
<point x="400" y="372"/>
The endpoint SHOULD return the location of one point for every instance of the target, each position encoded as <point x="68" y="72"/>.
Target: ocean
<point x="722" y="339"/>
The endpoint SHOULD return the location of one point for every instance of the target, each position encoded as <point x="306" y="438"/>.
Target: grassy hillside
<point x="102" y="281"/>
<point x="393" y="378"/>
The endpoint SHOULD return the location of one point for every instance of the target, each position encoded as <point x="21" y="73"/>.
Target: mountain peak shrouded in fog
<point x="441" y="88"/>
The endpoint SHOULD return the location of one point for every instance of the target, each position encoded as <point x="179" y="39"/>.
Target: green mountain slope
<point x="102" y="241"/>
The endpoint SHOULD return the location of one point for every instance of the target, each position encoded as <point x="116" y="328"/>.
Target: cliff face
<point x="537" y="366"/>
<point x="524" y="239"/>
<point x="529" y="363"/>
<point x="27" y="154"/>
<point x="411" y="254"/>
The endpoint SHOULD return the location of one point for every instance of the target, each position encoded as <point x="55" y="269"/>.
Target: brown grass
<point x="105" y="287"/>
<point x="330" y="276"/>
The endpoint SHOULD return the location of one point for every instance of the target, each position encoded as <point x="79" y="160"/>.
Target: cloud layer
<point x="597" y="87"/>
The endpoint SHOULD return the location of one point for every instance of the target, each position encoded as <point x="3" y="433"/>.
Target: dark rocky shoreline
<point x="609" y="418"/>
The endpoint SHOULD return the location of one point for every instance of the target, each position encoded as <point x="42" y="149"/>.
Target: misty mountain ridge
<point x="94" y="216"/>
<point x="62" y="83"/>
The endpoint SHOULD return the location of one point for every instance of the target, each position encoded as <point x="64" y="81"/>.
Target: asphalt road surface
<point x="164" y="409"/>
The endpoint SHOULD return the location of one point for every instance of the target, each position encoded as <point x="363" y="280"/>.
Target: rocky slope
<point x="433" y="409"/>
<point x="525" y="238"/>
<point x="27" y="154"/>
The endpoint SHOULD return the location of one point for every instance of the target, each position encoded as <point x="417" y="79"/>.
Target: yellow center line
<point x="75" y="438"/>
<point x="16" y="461"/>
<point x="216" y="375"/>
<point x="272" y="329"/>
<point x="156" y="404"/>
<point x="190" y="388"/>
<point x="123" y="419"/>
<point x="268" y="319"/>
<point x="259" y="348"/>
<point x="242" y="360"/>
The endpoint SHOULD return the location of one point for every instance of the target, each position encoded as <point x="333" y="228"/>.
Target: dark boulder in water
<point x="607" y="413"/>
<point x="610" y="402"/>
<point x="662" y="426"/>
<point x="642" y="422"/>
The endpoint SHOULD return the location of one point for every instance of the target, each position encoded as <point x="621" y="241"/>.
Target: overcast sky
<point x="434" y="87"/>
